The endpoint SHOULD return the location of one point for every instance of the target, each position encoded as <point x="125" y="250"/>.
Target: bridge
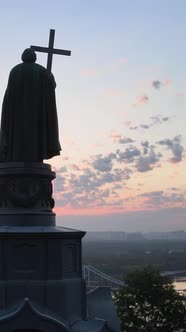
<point x="95" y="278"/>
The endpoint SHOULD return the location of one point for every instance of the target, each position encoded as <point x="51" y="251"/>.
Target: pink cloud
<point x="166" y="82"/>
<point x="75" y="167"/>
<point x="114" y="136"/>
<point x="127" y="123"/>
<point x="141" y="100"/>
<point x="65" y="158"/>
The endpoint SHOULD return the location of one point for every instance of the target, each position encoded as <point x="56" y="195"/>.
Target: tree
<point x="149" y="302"/>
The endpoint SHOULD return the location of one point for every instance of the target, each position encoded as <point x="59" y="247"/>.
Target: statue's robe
<point x="29" y="125"/>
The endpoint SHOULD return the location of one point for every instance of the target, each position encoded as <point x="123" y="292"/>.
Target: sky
<point x="121" y="104"/>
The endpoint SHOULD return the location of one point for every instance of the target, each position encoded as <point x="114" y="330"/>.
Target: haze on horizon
<point x="121" y="107"/>
<point x="164" y="220"/>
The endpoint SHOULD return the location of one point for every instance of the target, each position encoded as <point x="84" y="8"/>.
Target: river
<point x="180" y="283"/>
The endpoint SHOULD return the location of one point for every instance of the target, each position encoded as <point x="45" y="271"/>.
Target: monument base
<point x="41" y="275"/>
<point x="26" y="194"/>
<point x="44" y="265"/>
<point x="41" y="284"/>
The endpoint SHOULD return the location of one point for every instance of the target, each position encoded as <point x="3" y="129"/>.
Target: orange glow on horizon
<point x="98" y="211"/>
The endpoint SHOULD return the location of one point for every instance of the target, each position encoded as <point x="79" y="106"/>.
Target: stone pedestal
<point x="41" y="284"/>
<point x="26" y="194"/>
<point x="44" y="265"/>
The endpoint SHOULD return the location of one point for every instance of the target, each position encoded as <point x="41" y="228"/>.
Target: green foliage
<point x="148" y="302"/>
<point x="116" y="258"/>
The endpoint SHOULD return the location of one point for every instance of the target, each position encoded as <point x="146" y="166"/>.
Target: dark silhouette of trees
<point x="148" y="302"/>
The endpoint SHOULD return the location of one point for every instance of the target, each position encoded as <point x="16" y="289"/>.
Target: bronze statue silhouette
<point x="29" y="124"/>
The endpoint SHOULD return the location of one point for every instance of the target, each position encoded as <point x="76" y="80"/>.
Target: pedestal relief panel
<point x="26" y="194"/>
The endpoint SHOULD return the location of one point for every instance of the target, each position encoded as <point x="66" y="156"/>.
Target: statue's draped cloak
<point x="29" y="125"/>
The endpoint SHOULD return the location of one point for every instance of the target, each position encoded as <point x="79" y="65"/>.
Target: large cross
<point x="50" y="50"/>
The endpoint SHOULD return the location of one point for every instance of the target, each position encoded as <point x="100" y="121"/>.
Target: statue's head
<point x="29" y="55"/>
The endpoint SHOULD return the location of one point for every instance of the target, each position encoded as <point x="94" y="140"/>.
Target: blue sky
<point x="121" y="106"/>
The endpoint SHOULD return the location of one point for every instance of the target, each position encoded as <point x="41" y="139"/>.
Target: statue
<point x="29" y="125"/>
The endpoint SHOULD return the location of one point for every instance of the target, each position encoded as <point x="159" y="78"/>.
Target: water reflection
<point x="180" y="283"/>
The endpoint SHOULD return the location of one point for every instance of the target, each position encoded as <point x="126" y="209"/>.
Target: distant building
<point x="174" y="235"/>
<point x="135" y="236"/>
<point x="105" y="236"/>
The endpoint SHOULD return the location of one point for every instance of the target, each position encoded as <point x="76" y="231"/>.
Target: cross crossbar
<point x="50" y="50"/>
<point x="54" y="50"/>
